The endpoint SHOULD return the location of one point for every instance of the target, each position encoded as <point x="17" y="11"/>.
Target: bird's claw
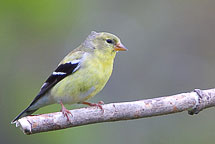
<point x="65" y="111"/>
<point x="99" y="105"/>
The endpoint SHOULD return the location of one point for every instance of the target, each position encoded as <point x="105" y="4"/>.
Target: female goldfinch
<point x="80" y="75"/>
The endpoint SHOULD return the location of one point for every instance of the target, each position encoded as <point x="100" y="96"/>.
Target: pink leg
<point x="99" y="104"/>
<point x="65" y="111"/>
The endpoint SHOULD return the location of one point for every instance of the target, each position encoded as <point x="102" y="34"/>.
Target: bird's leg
<point x="99" y="104"/>
<point x="65" y="111"/>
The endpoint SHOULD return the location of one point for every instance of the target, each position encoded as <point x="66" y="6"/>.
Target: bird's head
<point x="105" y="42"/>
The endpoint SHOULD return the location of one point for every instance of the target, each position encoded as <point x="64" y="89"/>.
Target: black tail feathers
<point x="26" y="112"/>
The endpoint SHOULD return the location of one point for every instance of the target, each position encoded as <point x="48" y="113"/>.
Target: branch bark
<point x="192" y="101"/>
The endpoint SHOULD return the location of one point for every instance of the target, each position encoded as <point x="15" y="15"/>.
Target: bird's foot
<point x="65" y="111"/>
<point x="99" y="105"/>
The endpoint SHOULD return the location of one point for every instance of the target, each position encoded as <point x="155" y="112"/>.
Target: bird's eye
<point x="110" y="41"/>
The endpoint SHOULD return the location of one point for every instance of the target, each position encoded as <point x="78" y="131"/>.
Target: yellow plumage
<point x="81" y="74"/>
<point x="86" y="82"/>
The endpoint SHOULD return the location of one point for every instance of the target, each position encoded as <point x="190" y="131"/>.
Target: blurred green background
<point x="171" y="50"/>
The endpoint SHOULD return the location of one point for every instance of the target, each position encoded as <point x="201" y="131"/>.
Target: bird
<point x="80" y="75"/>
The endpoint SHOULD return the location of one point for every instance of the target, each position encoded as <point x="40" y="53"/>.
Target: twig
<point x="192" y="101"/>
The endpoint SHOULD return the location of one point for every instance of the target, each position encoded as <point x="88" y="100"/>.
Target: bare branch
<point x="192" y="101"/>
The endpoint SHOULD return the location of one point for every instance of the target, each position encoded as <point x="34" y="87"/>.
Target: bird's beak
<point x="120" y="47"/>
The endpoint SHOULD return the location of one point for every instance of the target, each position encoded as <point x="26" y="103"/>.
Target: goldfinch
<point x="80" y="75"/>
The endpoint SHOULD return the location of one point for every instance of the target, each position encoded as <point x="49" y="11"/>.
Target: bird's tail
<point x="25" y="112"/>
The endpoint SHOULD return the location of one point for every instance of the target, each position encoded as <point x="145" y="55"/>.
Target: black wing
<point x="60" y="73"/>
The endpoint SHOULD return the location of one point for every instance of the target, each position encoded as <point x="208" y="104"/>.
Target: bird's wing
<point x="62" y="71"/>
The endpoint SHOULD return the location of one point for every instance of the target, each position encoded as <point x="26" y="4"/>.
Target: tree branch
<point x="193" y="102"/>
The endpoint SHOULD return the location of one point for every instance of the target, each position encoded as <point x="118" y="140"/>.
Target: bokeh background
<point x="171" y="50"/>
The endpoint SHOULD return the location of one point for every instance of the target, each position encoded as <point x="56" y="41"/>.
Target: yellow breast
<point x="86" y="82"/>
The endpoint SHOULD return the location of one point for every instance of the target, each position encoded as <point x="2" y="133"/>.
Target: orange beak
<point x="120" y="47"/>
